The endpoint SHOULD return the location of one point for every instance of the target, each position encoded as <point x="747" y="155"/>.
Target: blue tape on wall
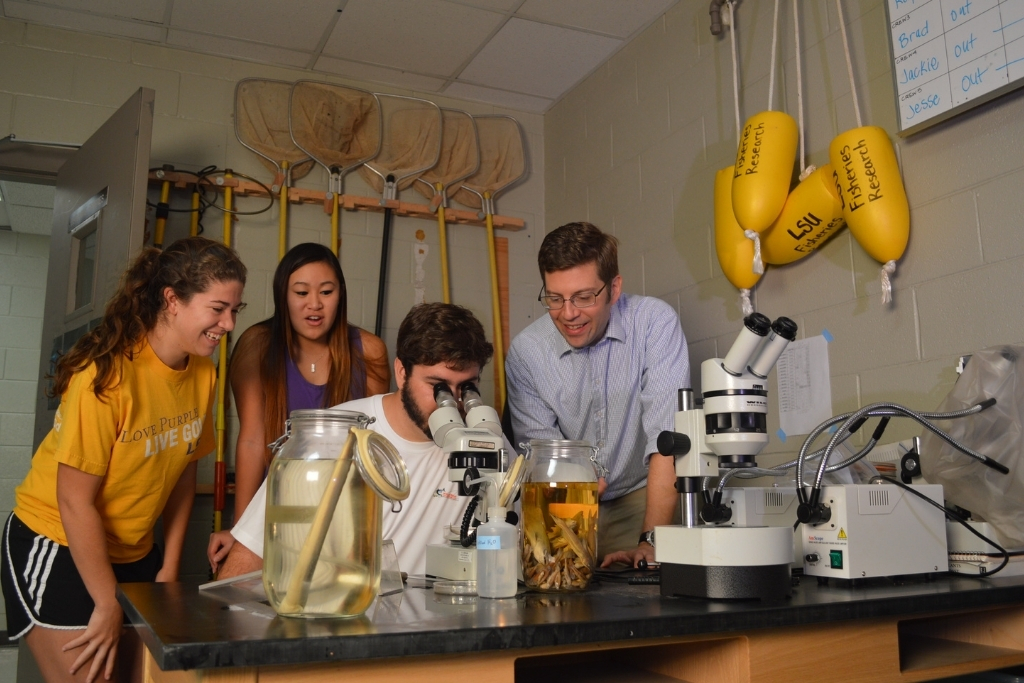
<point x="827" y="335"/>
<point x="782" y="435"/>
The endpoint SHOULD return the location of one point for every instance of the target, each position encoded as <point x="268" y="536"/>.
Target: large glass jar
<point x="322" y="547"/>
<point x="560" y="515"/>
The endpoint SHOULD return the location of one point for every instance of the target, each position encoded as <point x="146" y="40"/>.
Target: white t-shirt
<point x="433" y="501"/>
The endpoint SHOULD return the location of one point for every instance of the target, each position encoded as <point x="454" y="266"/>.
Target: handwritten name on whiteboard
<point x="947" y="53"/>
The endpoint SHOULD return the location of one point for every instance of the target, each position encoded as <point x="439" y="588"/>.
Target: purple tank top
<point x="304" y="395"/>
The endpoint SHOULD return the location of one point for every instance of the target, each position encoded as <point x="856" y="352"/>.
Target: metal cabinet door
<point x="99" y="219"/>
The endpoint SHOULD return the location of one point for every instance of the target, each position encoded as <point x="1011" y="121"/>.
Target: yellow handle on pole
<point x="222" y="371"/>
<point x="442" y="233"/>
<point x="282" y="233"/>
<point x="161" y="221"/>
<point x="499" y="350"/>
<point x="335" y="230"/>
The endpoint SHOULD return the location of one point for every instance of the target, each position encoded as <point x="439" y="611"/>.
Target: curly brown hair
<point x="188" y="266"/>
<point x="435" y="333"/>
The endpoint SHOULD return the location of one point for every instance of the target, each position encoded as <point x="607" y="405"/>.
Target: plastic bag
<point x="997" y="373"/>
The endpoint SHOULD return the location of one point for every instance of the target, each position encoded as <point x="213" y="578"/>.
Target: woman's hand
<point x="219" y="547"/>
<point x="167" y="574"/>
<point x="100" y="641"/>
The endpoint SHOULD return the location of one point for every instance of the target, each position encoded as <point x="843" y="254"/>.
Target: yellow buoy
<point x="811" y="215"/>
<point x="871" y="192"/>
<point x="763" y="169"/>
<point x="735" y="251"/>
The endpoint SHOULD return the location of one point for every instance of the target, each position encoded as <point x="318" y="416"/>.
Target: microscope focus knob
<point x="673" y="443"/>
<point x="468" y="488"/>
<point x="813" y="513"/>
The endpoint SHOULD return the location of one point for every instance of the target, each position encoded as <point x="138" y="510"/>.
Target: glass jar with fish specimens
<point x="559" y="504"/>
<point x="325" y="493"/>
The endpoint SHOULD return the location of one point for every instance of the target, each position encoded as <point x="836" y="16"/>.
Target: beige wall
<point x="60" y="86"/>
<point x="635" y="148"/>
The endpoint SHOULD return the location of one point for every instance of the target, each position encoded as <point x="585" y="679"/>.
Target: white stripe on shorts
<point x="17" y="587"/>
<point x="51" y="556"/>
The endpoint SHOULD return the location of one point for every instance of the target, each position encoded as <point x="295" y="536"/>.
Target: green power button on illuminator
<point x="835" y="559"/>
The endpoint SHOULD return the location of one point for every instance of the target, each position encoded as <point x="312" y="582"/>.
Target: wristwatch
<point x="647" y="537"/>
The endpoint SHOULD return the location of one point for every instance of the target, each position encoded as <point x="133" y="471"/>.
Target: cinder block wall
<point x="23" y="260"/>
<point x="635" y="149"/>
<point x="61" y="86"/>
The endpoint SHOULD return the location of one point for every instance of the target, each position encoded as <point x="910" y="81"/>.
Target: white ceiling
<point x="521" y="54"/>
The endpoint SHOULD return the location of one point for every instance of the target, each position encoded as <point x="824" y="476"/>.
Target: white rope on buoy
<point x="735" y="66"/>
<point x="807" y="170"/>
<point x="849" y="62"/>
<point x="775" y="42"/>
<point x="887" y="270"/>
<point x="745" y="304"/>
<point x="758" y="266"/>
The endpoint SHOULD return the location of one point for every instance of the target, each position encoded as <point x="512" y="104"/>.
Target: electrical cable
<point x="894" y="409"/>
<point x="779" y="470"/>
<point x="953" y="515"/>
<point x="200" y="190"/>
<point x="168" y="209"/>
<point x="203" y="177"/>
<point x="466" y="536"/>
<point x="885" y="410"/>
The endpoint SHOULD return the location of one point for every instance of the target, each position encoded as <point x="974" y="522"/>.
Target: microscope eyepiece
<point x="783" y="332"/>
<point x="784" y="327"/>
<point x="443" y="396"/>
<point x="756" y="327"/>
<point x="758" y="323"/>
<point x="470" y="395"/>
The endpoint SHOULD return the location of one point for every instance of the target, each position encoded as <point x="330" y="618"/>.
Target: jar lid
<point x="381" y="466"/>
<point x="558" y="447"/>
<point x="332" y="415"/>
<point x="559" y="443"/>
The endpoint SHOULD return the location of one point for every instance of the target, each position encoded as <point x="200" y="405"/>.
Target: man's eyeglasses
<point x="553" y="302"/>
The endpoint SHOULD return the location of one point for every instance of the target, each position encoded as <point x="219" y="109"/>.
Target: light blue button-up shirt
<point x="620" y="391"/>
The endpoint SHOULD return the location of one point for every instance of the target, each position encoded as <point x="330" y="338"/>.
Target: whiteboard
<point x="951" y="55"/>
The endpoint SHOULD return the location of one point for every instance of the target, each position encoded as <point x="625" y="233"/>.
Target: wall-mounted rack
<point x="296" y="195"/>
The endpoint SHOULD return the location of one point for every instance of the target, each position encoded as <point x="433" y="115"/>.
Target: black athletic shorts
<point x="42" y="585"/>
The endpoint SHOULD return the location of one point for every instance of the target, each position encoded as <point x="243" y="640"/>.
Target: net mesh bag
<point x="261" y="125"/>
<point x="460" y="155"/>
<point x="336" y="125"/>
<point x="502" y="160"/>
<point x="410" y="141"/>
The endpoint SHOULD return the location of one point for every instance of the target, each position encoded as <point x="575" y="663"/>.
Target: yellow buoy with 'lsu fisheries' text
<point x="812" y="214"/>
<point x="735" y="251"/>
<point x="870" y="189"/>
<point x="763" y="169"/>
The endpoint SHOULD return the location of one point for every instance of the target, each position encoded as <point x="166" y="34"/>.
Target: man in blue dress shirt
<point x="603" y="367"/>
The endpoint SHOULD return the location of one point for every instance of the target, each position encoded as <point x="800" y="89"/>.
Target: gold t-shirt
<point x="139" y="437"/>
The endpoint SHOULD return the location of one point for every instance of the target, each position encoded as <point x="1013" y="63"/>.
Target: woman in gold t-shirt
<point x="134" y="418"/>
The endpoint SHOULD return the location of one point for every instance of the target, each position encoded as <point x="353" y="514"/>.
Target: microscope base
<point x="726" y="583"/>
<point x="446" y="561"/>
<point x="721" y="562"/>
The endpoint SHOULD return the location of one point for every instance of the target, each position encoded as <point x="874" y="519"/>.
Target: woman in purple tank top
<point x="304" y="356"/>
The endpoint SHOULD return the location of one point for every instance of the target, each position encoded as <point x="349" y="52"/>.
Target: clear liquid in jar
<point x="559" y="534"/>
<point x="347" y="574"/>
